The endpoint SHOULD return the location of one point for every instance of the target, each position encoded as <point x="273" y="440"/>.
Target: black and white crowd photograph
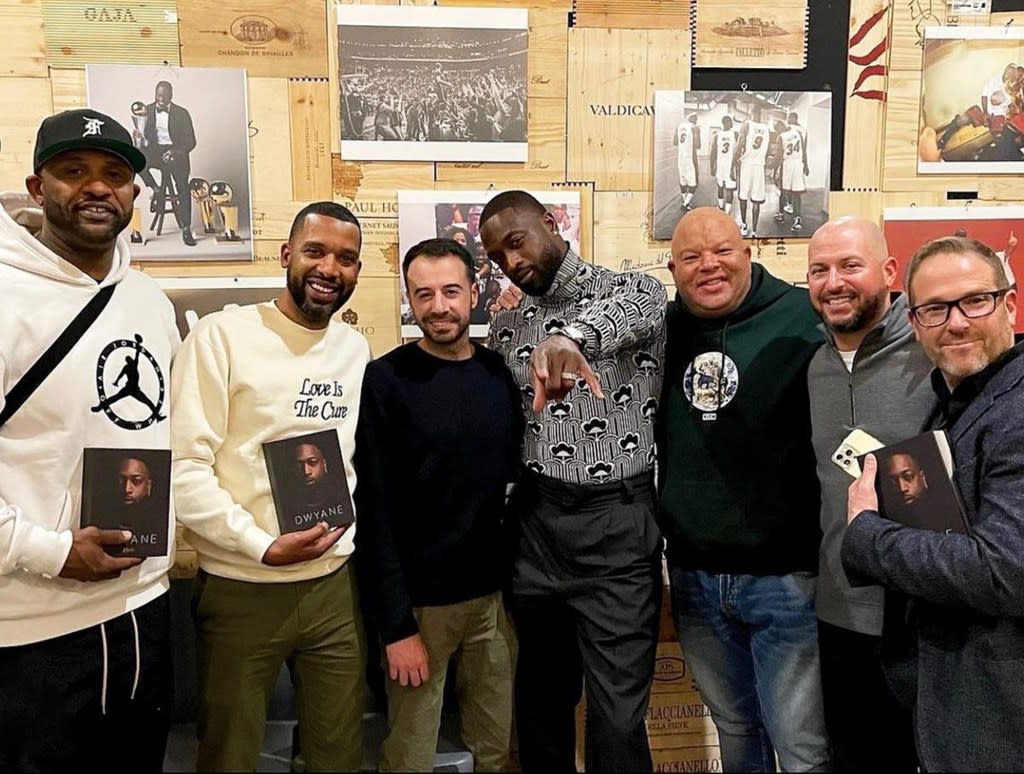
<point x="432" y="84"/>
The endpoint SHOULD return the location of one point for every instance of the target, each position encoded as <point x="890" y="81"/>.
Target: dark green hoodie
<point x="739" y="492"/>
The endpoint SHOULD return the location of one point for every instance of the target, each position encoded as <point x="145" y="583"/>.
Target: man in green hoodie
<point x="739" y="496"/>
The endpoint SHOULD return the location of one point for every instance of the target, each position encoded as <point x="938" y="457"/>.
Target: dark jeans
<point x="77" y="703"/>
<point x="751" y="644"/>
<point x="585" y="602"/>
<point x="868" y="728"/>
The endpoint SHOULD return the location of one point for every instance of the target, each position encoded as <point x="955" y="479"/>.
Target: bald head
<point x="710" y="263"/>
<point x="864" y="231"/>
<point x="849" y="275"/>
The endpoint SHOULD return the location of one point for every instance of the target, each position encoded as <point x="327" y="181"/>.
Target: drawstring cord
<point x="103" y="688"/>
<point x="106" y="663"/>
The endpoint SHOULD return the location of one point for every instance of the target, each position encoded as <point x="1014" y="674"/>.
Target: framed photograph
<point x="423" y="83"/>
<point x="775" y="38"/>
<point x="456" y="214"/>
<point x="196" y="297"/>
<point x="972" y="101"/>
<point x="192" y="124"/>
<point x="762" y="157"/>
<point x="907" y="229"/>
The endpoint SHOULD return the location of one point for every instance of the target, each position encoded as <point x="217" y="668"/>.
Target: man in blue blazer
<point x="966" y="590"/>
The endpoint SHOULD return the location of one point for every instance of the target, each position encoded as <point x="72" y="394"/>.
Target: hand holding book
<point x="302" y="546"/>
<point x="910" y="482"/>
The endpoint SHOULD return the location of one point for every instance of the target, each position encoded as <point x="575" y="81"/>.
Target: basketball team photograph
<point x="761" y="157"/>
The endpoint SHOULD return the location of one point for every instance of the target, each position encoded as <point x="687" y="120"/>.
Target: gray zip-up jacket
<point x="889" y="396"/>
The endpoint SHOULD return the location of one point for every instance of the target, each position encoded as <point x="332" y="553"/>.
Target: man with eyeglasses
<point x="966" y="590"/>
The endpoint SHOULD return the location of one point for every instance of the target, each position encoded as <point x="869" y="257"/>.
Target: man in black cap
<point x="84" y="636"/>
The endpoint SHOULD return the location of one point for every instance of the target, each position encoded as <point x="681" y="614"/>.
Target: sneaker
<point x="136" y="238"/>
<point x="796" y="225"/>
<point x="779" y="217"/>
<point x="743" y="230"/>
<point x="788" y="209"/>
<point x="187" y="238"/>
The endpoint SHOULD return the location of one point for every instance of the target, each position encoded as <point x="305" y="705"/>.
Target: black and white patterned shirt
<point x="581" y="439"/>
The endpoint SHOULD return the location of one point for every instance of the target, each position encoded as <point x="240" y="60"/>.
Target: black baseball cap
<point x="84" y="128"/>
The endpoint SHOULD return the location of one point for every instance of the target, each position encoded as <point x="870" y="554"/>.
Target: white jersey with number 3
<point x="726" y="147"/>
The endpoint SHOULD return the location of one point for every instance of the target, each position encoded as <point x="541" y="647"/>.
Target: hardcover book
<point x="307" y="480"/>
<point x="915" y="483"/>
<point x="129" y="489"/>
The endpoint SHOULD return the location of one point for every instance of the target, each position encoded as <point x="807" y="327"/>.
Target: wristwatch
<point x="575" y="335"/>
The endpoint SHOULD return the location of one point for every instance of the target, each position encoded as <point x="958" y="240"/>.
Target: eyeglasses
<point x="974" y="305"/>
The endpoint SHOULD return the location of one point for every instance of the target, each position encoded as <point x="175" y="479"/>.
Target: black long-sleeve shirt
<point x="436" y="444"/>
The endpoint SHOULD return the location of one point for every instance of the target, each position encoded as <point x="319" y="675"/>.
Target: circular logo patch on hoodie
<point x="130" y="384"/>
<point x="710" y="381"/>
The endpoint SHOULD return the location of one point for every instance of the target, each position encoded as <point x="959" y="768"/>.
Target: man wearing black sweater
<point x="430" y="540"/>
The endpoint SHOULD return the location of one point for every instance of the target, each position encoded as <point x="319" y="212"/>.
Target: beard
<point x="543" y="275"/>
<point x="455" y="333"/>
<point x="312" y="310"/>
<point x="861" y="316"/>
<point x="63" y="221"/>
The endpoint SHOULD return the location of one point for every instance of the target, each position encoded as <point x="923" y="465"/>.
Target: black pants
<point x="585" y="600"/>
<point x="59" y="714"/>
<point x="868" y="728"/>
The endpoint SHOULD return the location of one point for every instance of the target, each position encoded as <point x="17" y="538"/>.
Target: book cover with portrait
<point x="129" y="489"/>
<point x="307" y="480"/>
<point x="915" y="483"/>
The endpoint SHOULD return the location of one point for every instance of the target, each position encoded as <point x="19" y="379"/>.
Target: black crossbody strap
<point x="51" y="358"/>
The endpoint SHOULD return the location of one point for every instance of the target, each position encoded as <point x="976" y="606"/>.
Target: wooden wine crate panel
<point x="23" y="54"/>
<point x="549" y="46"/>
<point x="866" y="83"/>
<point x="902" y="115"/>
<point x="80" y="32"/>
<point x="268" y="38"/>
<point x="1009" y="188"/>
<point x="614" y="74"/>
<point x="265" y="264"/>
<point x="622" y="224"/>
<point x="546" y="161"/>
<point x="373" y="311"/>
<point x="633" y="14"/>
<point x="372" y="185"/>
<point x="909" y="20"/>
<point x="270" y="139"/>
<point x="310" y="113"/>
<point x="34" y="102"/>
<point x="870" y="204"/>
<point x="68" y="88"/>
<point x="563" y="5"/>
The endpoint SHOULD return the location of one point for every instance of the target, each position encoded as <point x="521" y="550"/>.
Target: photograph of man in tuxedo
<point x="169" y="139"/>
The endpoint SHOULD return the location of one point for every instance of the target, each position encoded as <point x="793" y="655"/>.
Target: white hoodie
<point x="41" y="446"/>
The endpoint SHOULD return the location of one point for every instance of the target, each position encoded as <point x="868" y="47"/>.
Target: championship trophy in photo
<point x="221" y="193"/>
<point x="200" y="190"/>
<point x="139" y="141"/>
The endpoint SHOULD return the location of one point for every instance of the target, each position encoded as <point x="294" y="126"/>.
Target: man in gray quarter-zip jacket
<point x="870" y="375"/>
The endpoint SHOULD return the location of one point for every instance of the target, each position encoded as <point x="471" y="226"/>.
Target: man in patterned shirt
<point x="585" y="347"/>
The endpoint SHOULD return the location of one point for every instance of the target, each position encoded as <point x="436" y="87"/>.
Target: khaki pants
<point x="477" y="635"/>
<point x="246" y="632"/>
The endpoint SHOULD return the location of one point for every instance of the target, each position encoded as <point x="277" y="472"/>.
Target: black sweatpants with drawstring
<point x="98" y="699"/>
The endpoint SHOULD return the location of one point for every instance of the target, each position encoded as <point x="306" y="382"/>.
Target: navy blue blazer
<point x="967" y="590"/>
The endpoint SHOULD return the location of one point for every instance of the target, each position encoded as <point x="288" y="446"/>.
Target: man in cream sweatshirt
<point x="244" y="377"/>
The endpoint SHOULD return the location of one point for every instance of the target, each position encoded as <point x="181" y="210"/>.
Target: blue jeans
<point x="752" y="646"/>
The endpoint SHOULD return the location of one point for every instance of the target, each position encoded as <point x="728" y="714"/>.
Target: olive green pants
<point x="246" y="632"/>
<point x="478" y="636"/>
